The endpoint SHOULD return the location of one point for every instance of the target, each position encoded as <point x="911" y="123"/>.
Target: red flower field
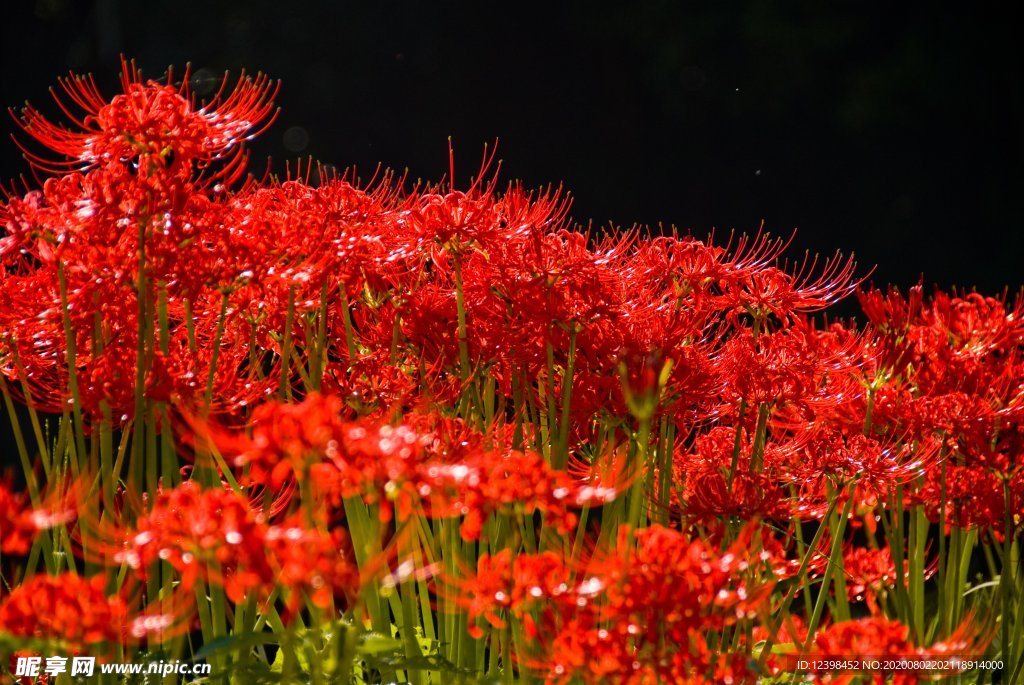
<point x="315" y="428"/>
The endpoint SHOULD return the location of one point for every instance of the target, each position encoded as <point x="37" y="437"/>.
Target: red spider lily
<point x="870" y="573"/>
<point x="532" y="293"/>
<point x="153" y="123"/>
<point x="217" y="536"/>
<point x="975" y="324"/>
<point x="211" y="534"/>
<point x="688" y="272"/>
<point x="20" y="522"/>
<point x="975" y="431"/>
<point x="69" y="608"/>
<point x="631" y="619"/>
<point x="513" y="481"/>
<point x="830" y="460"/>
<point x="973" y="498"/>
<point x="798" y="365"/>
<point x="886" y="639"/>
<point x="709" y="497"/>
<point x="288" y="439"/>
<point x="891" y="313"/>
<point x="769" y="290"/>
<point x="406" y="468"/>
<point x="660" y="603"/>
<point x="77" y="613"/>
<point x="478" y="219"/>
<point x="138" y="208"/>
<point x="507" y="584"/>
<point x="779" y="552"/>
<point x="711" y="492"/>
<point x="892" y="316"/>
<point x="313" y="563"/>
<point x="457" y="221"/>
<point x="476" y="479"/>
<point x="969" y="344"/>
<point x="16" y="527"/>
<point x="295" y="241"/>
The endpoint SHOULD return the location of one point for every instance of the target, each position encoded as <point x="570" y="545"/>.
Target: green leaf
<point x="231" y="643"/>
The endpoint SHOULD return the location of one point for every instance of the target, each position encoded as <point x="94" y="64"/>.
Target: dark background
<point x="893" y="130"/>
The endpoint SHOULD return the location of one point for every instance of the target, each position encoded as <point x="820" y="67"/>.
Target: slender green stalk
<point x="346" y="316"/>
<point x="943" y="571"/>
<point x="19" y="441"/>
<point x="318" y="350"/>
<point x="736" y="446"/>
<point x="26" y="392"/>
<point x="137" y="467"/>
<point x="638" y="493"/>
<point x="834" y="553"/>
<point x="285" y="385"/>
<point x="462" y="330"/>
<point x="215" y="350"/>
<point x="560" y="455"/>
<point x="72" y="362"/>
<point x="1006" y="579"/>
<point x="916" y="578"/>
<point x="760" y="438"/>
<point x="800" y="578"/>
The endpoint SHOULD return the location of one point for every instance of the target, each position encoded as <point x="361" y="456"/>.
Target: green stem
<point x="736" y="445"/>
<point x="215" y="350"/>
<point x="798" y="579"/>
<point x="638" y="493"/>
<point x="346" y="316"/>
<point x="760" y="437"/>
<point x="285" y="387"/>
<point x="76" y="400"/>
<point x="460" y="305"/>
<point x="37" y="431"/>
<point x="561" y="453"/>
<point x="834" y="553"/>
<point x="137" y="467"/>
<point x="1006" y="577"/>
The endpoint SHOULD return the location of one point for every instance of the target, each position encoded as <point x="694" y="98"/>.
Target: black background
<point x="893" y="130"/>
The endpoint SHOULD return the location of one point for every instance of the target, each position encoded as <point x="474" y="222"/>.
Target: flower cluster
<point x="322" y="407"/>
<point x="640" y="617"/>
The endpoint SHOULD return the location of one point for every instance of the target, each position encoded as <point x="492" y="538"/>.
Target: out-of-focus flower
<point x="69" y="608"/>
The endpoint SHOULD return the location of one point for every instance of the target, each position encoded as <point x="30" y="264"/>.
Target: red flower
<point x="882" y="639"/>
<point x="68" y="608"/>
<point x="312" y="563"/>
<point x="210" y="534"/>
<point x="220" y="537"/>
<point x="643" y="616"/>
<point x="20" y="522"/>
<point x="157" y="125"/>
<point x="764" y="290"/>
<point x="870" y="573"/>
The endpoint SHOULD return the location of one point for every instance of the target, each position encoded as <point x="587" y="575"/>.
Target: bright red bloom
<point x="211" y="534"/>
<point x="871" y="573"/>
<point x="761" y="290"/>
<point x="312" y="563"/>
<point x="20" y="522"/>
<point x="16" y="529"/>
<point x="144" y="203"/>
<point x="218" y="536"/>
<point x="882" y="638"/>
<point x="638" y="617"/>
<point x="438" y="467"/>
<point x="156" y="124"/>
<point x="73" y="610"/>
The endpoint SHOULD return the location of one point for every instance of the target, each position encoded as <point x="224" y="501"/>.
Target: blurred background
<point x="893" y="130"/>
